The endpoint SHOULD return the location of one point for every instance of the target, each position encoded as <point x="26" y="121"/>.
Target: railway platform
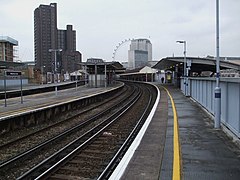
<point x="35" y="101"/>
<point x="205" y="153"/>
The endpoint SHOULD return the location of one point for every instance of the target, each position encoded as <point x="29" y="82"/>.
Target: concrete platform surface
<point x="206" y="153"/>
<point x="147" y="159"/>
<point x="35" y="101"/>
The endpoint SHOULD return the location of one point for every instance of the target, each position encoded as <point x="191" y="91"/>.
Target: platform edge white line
<point x="120" y="169"/>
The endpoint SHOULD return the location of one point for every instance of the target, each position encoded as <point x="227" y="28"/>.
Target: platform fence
<point x="202" y="90"/>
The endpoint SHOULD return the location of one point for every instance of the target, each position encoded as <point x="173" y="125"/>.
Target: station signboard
<point x="13" y="73"/>
<point x="94" y="60"/>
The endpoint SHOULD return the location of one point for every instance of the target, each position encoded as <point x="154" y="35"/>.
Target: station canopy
<point x="9" y="64"/>
<point x="196" y="64"/>
<point x="114" y="65"/>
<point x="139" y="71"/>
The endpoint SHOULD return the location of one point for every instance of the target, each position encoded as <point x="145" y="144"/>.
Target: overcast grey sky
<point x="102" y="24"/>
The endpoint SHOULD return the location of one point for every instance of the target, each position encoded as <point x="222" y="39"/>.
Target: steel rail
<point x="118" y="156"/>
<point x="73" y="147"/>
<point x="37" y="148"/>
<point x="57" y="123"/>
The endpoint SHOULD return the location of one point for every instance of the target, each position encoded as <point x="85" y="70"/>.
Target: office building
<point x="70" y="58"/>
<point x="140" y="53"/>
<point x="45" y="36"/>
<point x="7" y="48"/>
<point x="48" y="36"/>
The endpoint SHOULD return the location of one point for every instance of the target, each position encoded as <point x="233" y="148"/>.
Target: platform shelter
<point x="101" y="73"/>
<point x="146" y="74"/>
<point x="195" y="67"/>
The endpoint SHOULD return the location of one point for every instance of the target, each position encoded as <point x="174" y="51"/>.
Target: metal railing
<point x="202" y="90"/>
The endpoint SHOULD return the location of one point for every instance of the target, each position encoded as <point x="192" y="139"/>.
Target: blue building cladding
<point x="141" y="58"/>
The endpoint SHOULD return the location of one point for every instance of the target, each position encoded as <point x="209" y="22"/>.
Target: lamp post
<point x="185" y="75"/>
<point x="85" y="74"/>
<point x="76" y="78"/>
<point x="55" y="66"/>
<point x="217" y="90"/>
<point x="42" y="72"/>
<point x="105" y="74"/>
<point x="5" y="85"/>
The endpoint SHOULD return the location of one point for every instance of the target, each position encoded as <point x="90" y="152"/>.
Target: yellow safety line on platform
<point x="176" y="175"/>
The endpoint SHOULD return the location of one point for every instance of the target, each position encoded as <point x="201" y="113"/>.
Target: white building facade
<point x="140" y="53"/>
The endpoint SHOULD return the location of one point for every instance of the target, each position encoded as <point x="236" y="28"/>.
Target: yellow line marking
<point x="176" y="143"/>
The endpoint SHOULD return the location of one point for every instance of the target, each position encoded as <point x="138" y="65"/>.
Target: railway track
<point x="94" y="142"/>
<point x="34" y="147"/>
<point x="12" y="140"/>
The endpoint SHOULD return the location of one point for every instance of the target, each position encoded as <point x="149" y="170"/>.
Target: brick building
<point x="7" y="45"/>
